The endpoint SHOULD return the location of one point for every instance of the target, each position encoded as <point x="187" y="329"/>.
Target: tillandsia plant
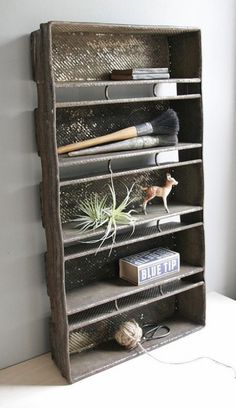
<point x="93" y="212"/>
<point x="96" y="213"/>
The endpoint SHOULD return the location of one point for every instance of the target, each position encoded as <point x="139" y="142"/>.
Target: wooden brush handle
<point x="123" y="134"/>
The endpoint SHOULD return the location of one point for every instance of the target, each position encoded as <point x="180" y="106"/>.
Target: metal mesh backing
<point x="72" y="195"/>
<point x="77" y="124"/>
<point x="185" y="192"/>
<point x="92" y="56"/>
<point x="95" y="313"/>
<point x="81" y="271"/>
<point x="101" y="332"/>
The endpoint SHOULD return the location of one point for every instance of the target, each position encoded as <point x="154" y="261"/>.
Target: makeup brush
<point x="136" y="143"/>
<point x="167" y="123"/>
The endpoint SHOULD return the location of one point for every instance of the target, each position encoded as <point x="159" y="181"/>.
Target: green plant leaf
<point x="96" y="213"/>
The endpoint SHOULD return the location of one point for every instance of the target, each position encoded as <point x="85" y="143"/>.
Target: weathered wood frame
<point x="46" y="133"/>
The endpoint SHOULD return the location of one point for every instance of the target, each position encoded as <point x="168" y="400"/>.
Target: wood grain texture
<point x="50" y="199"/>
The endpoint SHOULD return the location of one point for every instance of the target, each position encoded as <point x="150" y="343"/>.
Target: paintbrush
<point x="136" y="143"/>
<point x="166" y="123"/>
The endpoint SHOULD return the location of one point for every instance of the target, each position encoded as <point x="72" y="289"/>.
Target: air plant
<point x="96" y="213"/>
<point x="93" y="213"/>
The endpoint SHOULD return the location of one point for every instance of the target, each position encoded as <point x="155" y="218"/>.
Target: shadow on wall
<point x="17" y="104"/>
<point x="16" y="59"/>
<point x="22" y="236"/>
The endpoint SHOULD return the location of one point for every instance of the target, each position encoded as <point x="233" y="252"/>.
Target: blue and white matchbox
<point x="149" y="265"/>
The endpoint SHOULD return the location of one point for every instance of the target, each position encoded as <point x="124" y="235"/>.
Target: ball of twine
<point x="129" y="334"/>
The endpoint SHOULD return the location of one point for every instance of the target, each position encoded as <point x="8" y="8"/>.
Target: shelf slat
<point x="83" y="249"/>
<point x="104" y="28"/>
<point x="65" y="161"/>
<point x="127" y="172"/>
<point x="125" y="100"/>
<point x="112" y="309"/>
<point x="154" y="213"/>
<point x="80" y="84"/>
<point x="111" y="354"/>
<point x="101" y="292"/>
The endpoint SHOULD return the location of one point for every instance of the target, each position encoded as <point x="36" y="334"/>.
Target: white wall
<point x="24" y="306"/>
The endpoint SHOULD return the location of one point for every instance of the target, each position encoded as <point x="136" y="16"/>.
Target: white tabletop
<point x="141" y="382"/>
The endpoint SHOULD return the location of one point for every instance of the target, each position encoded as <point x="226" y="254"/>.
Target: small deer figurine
<point x="156" y="191"/>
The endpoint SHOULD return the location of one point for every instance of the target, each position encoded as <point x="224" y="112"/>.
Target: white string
<point x="188" y="361"/>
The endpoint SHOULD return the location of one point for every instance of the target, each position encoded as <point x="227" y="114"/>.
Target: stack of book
<point x="139" y="73"/>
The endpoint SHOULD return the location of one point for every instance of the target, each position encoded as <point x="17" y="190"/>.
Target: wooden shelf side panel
<point x="46" y="140"/>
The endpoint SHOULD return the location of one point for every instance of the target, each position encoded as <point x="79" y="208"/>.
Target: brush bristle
<point x="166" y="124"/>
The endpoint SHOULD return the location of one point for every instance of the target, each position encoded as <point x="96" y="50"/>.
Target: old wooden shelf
<point x="77" y="101"/>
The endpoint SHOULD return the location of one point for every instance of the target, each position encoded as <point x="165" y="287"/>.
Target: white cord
<point x="187" y="362"/>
